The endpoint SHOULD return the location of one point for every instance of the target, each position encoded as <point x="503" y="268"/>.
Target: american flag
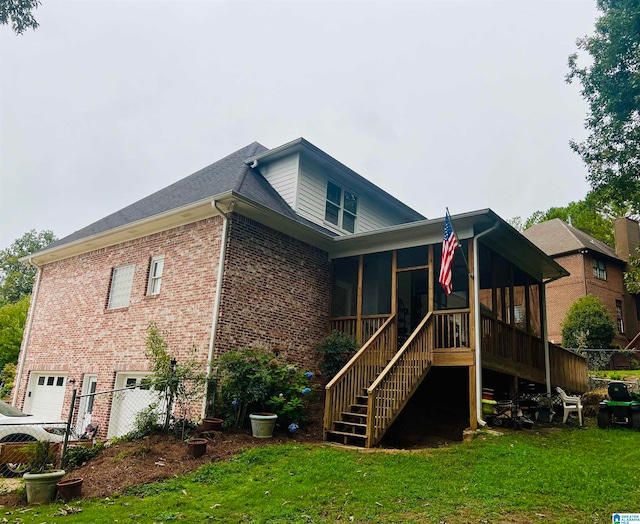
<point x="449" y="246"/>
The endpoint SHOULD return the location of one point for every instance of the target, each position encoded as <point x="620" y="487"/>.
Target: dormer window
<point x="341" y="208"/>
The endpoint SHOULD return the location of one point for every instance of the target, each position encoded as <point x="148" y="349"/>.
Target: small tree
<point x="182" y="382"/>
<point x="588" y="325"/>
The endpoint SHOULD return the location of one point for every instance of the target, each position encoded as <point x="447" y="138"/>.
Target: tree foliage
<point x="588" y="324"/>
<point x="12" y="320"/>
<point x="18" y="13"/>
<point x="632" y="275"/>
<point x="611" y="87"/>
<point x="586" y="215"/>
<point x="16" y="278"/>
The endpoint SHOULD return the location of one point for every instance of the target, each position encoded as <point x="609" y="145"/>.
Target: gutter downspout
<point x="218" y="297"/>
<point x="476" y="318"/>
<point x="27" y="332"/>
<point x="545" y="337"/>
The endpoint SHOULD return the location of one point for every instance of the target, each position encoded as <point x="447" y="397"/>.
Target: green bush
<point x="79" y="455"/>
<point x="588" y="325"/>
<point x="336" y="350"/>
<point x="254" y="380"/>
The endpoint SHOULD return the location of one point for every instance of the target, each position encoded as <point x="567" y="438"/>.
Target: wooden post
<point x="359" y="302"/>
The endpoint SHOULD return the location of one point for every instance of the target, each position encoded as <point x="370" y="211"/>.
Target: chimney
<point x="626" y="232"/>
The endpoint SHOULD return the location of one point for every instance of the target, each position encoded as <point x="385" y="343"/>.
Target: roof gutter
<point x="218" y="297"/>
<point x="27" y="331"/>
<point x="476" y="320"/>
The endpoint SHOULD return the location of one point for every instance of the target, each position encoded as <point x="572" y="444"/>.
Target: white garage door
<point x="127" y="403"/>
<point x="45" y="396"/>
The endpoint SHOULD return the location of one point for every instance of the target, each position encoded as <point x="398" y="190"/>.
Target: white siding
<point x="312" y="194"/>
<point x="282" y="174"/>
<point x="370" y="217"/>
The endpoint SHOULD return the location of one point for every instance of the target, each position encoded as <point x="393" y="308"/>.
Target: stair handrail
<point x="378" y="424"/>
<point x="333" y="406"/>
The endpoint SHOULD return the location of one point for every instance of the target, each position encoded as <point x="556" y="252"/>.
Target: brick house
<point x="273" y="248"/>
<point x="595" y="269"/>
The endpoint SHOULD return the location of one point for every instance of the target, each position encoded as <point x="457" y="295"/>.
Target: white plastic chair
<point x="570" y="405"/>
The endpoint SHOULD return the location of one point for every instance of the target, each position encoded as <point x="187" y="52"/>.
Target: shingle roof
<point x="231" y="173"/>
<point x="556" y="237"/>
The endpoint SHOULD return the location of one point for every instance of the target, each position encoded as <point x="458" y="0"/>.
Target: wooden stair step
<point x="350" y="427"/>
<point x="347" y="414"/>
<point x="342" y="437"/>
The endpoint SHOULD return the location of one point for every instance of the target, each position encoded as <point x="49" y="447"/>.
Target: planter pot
<point x="262" y="424"/>
<point x="41" y="487"/>
<point x="212" y="424"/>
<point x="197" y="447"/>
<point x="70" y="489"/>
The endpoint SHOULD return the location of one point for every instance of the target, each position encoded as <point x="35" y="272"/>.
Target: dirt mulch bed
<point x="155" y="458"/>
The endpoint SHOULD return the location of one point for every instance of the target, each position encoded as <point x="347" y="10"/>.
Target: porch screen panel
<point x="486" y="280"/>
<point x="376" y="284"/>
<point x="413" y="257"/>
<point x="459" y="297"/>
<point x="520" y="306"/>
<point x="534" y="309"/>
<point x="344" y="287"/>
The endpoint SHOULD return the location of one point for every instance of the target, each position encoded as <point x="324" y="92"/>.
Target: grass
<point x="566" y="476"/>
<point x="618" y="374"/>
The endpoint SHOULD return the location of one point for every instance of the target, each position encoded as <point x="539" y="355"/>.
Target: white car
<point x="16" y="426"/>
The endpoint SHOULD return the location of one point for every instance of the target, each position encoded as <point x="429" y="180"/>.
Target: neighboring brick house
<point x="595" y="269"/>
<point x="273" y="248"/>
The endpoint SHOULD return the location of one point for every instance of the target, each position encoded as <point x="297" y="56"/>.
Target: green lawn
<point x="567" y="475"/>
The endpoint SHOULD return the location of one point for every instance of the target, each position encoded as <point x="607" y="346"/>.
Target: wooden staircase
<point x="368" y="394"/>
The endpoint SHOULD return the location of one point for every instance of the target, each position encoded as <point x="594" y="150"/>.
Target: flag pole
<point x="459" y="244"/>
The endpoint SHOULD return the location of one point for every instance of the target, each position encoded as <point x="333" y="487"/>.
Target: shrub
<point x="79" y="455"/>
<point x="588" y="325"/>
<point x="254" y="380"/>
<point x="336" y="350"/>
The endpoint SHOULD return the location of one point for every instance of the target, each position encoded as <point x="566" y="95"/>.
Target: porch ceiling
<point x="504" y="240"/>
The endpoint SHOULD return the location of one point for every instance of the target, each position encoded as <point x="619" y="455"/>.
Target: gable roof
<point x="229" y="174"/>
<point x="556" y="237"/>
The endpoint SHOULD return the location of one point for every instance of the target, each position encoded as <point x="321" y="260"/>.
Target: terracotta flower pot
<point x="70" y="489"/>
<point x="197" y="447"/>
<point x="212" y="424"/>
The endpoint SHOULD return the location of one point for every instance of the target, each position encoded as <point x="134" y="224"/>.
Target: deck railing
<point x="568" y="369"/>
<point x="499" y="339"/>
<point x="451" y="329"/>
<point x="359" y="372"/>
<point x="400" y="378"/>
<point x="349" y="325"/>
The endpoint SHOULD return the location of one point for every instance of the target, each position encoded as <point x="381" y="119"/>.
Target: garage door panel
<point x="45" y="396"/>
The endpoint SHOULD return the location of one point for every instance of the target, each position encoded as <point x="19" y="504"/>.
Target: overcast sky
<point x="440" y="103"/>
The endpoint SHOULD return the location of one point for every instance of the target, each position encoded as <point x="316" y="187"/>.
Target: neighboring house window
<point x="599" y="269"/>
<point x="619" y="321"/>
<point x="518" y="314"/>
<point x="341" y="208"/>
<point x="155" y="275"/>
<point x="121" y="282"/>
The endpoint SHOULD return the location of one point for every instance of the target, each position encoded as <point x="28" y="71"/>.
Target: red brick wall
<point x="562" y="293"/>
<point x="275" y="293"/>
<point x="73" y="332"/>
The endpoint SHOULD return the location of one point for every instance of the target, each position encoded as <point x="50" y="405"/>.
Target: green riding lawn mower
<point x="622" y="409"/>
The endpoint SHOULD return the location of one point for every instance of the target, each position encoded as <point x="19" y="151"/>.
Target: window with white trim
<point x="121" y="283"/>
<point x="155" y="275"/>
<point x="341" y="208"/>
<point x="619" y="316"/>
<point x="599" y="269"/>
